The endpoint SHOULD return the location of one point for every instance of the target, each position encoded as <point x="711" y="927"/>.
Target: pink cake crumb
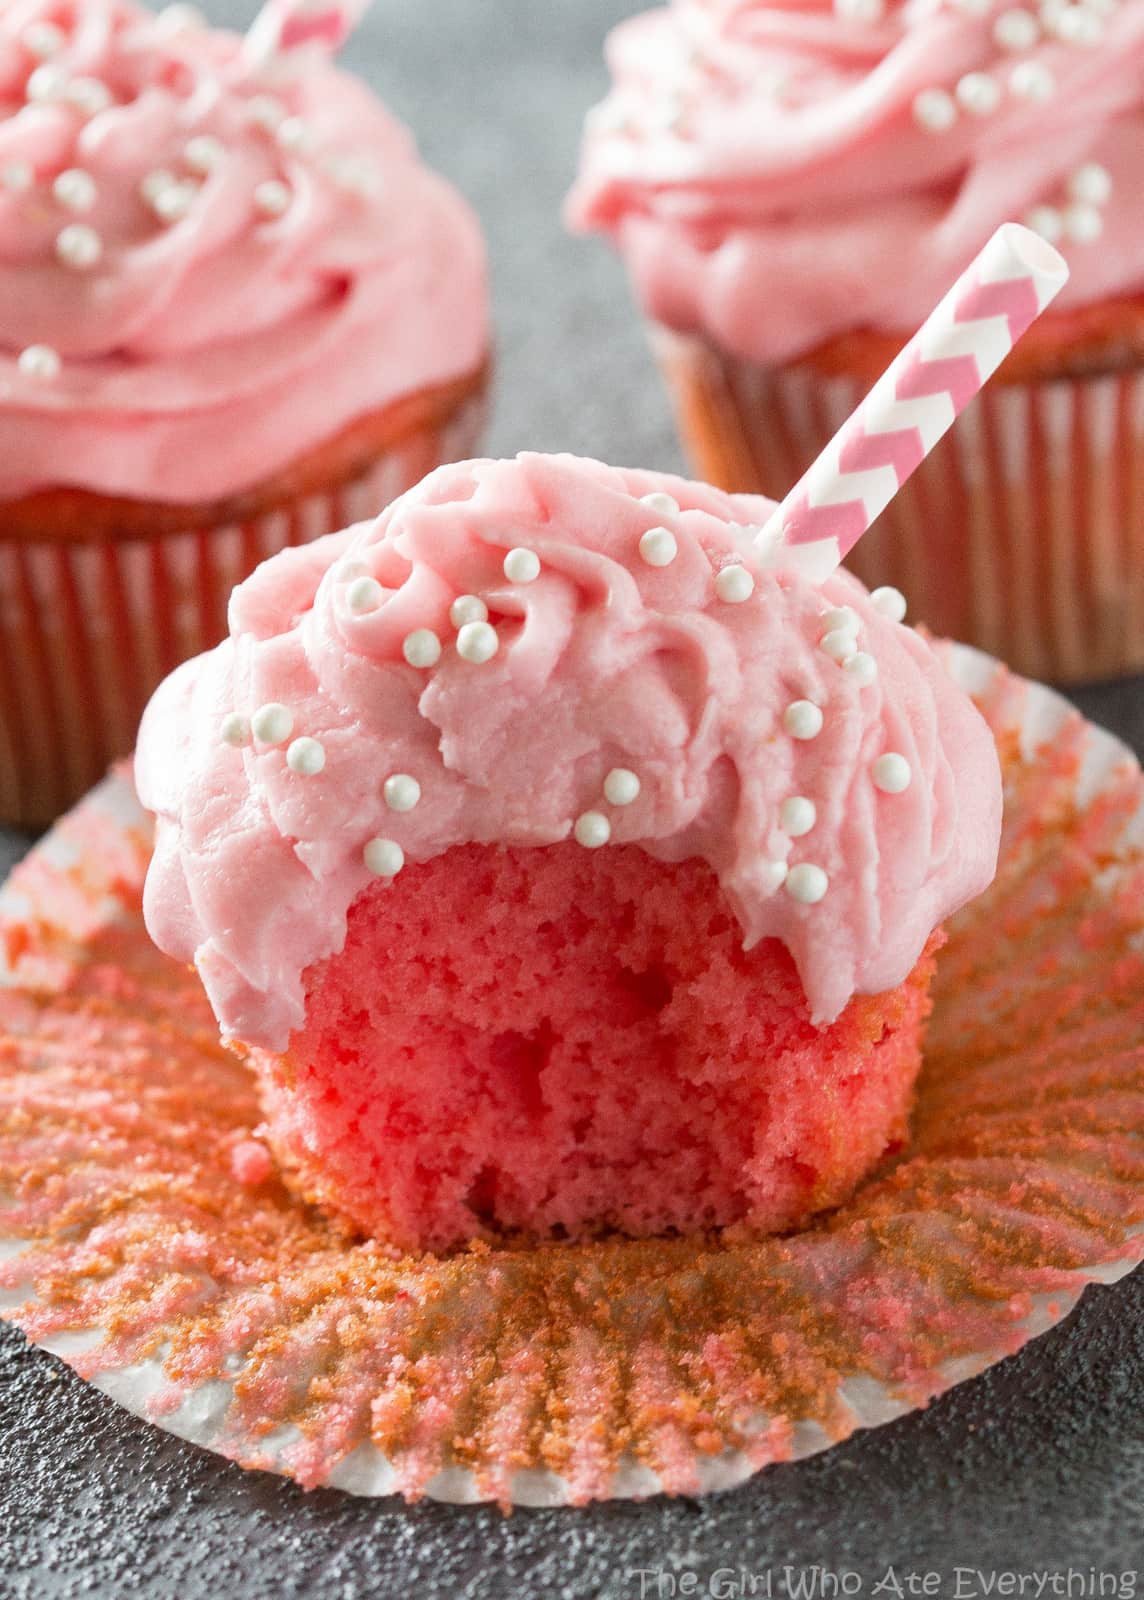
<point x="251" y="1163"/>
<point x="557" y="1042"/>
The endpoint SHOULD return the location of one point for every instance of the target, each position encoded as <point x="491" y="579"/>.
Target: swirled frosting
<point x="208" y="267"/>
<point x="776" y="174"/>
<point x="752" y="710"/>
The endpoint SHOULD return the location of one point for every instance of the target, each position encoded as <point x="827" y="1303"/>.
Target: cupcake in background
<point x="792" y="186"/>
<point x="236" y="312"/>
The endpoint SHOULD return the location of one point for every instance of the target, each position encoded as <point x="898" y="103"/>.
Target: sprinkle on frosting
<point x="79" y="246"/>
<point x="522" y="566"/>
<point x="306" y="756"/>
<point x="401" y="792"/>
<point x="272" y="198"/>
<point x="660" y="503"/>
<point x="862" y="667"/>
<point x="621" y="787"/>
<point x="235" y="730"/>
<point x="592" y="829"/>
<point x="734" y="584"/>
<point x="806" y="883"/>
<point x="889" y="602"/>
<point x="272" y="723"/>
<point x="421" y="648"/>
<point x="477" y="642"/>
<point x="891" y="773"/>
<point x="75" y="189"/>
<point x="364" y="594"/>
<point x="40" y="361"/>
<point x="467" y="608"/>
<point x="658" y="547"/>
<point x="384" y="858"/>
<point x="802" y="719"/>
<point x="797" y="815"/>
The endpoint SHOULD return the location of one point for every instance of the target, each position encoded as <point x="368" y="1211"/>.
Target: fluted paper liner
<point x="232" y="1315"/>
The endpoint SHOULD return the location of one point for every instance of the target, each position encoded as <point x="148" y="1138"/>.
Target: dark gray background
<point x="1037" y="1465"/>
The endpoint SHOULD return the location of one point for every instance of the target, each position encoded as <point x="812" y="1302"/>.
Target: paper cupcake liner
<point x="145" y="1238"/>
<point x="88" y="630"/>
<point x="1022" y="532"/>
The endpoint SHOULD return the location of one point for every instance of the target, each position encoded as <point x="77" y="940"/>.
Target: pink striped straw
<point x="283" y="26"/>
<point x="955" y="352"/>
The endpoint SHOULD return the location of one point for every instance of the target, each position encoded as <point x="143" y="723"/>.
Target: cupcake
<point x="792" y="188"/>
<point x="560" y="865"/>
<point x="235" y="313"/>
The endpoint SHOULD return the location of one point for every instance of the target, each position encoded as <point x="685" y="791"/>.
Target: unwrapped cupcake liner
<point x="145" y="1238"/>
<point x="1021" y="532"/>
<point x="89" y="629"/>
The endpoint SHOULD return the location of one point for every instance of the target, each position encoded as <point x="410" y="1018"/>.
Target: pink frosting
<point x="604" y="662"/>
<point x="765" y="173"/>
<point x="202" y="354"/>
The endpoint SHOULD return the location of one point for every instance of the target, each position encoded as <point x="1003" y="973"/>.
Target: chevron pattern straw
<point x="283" y="26"/>
<point x="914" y="402"/>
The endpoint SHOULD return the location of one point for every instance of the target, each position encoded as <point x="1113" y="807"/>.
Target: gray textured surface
<point x="1037" y="1466"/>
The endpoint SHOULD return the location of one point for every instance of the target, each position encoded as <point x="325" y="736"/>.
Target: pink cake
<point x="562" y="862"/>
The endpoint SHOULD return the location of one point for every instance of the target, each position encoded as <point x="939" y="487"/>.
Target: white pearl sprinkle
<point x="204" y="153"/>
<point x="797" y="815"/>
<point x="401" y="792"/>
<point x="40" y="361"/>
<point x="1091" y="184"/>
<point x="1047" y="221"/>
<point x="806" y="883"/>
<point x="363" y="595"/>
<point x="349" y="568"/>
<point x="841" y="617"/>
<point x="78" y="246"/>
<point x="1083" y="224"/>
<point x="1032" y="80"/>
<point x="802" y="719"/>
<point x="862" y="668"/>
<point x="272" y="723"/>
<point x="421" y="648"/>
<point x="621" y="787"/>
<point x="174" y="200"/>
<point x="88" y="95"/>
<point x="43" y="39"/>
<point x="891" y="773"/>
<point x="152" y="184"/>
<point x="934" y="110"/>
<point x="978" y="93"/>
<point x="234" y="729"/>
<point x="860" y="10"/>
<point x="477" y="642"/>
<point x="1077" y="25"/>
<point x="177" y="18"/>
<point x="734" y="584"/>
<point x="293" y="134"/>
<point x="592" y="829"/>
<point x="272" y="198"/>
<point x="306" y="756"/>
<point x="46" y="83"/>
<point x="468" y="608"/>
<point x="265" y="111"/>
<point x="658" y="547"/>
<point x="664" y="505"/>
<point x="839" y="645"/>
<point x="74" y="189"/>
<point x="889" y="602"/>
<point x="16" y="176"/>
<point x="383" y="857"/>
<point x="356" y="174"/>
<point x="522" y="566"/>
<point x="1016" y="30"/>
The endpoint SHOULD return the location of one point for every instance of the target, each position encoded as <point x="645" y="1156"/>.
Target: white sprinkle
<point x="75" y="189"/>
<point x="806" y="883"/>
<point x="734" y="584"/>
<point x="860" y="10"/>
<point x="78" y="246"/>
<point x="841" y="617"/>
<point x="477" y="642"/>
<point x="1032" y="80"/>
<point x="862" y="668"/>
<point x="889" y="602"/>
<point x="235" y="729"/>
<point x="1016" y="30"/>
<point x="1077" y="25"/>
<point x="522" y="566"/>
<point x="16" y="176"/>
<point x="802" y="719"/>
<point x="357" y="174"/>
<point x="592" y="829"/>
<point x="46" y="83"/>
<point x="272" y="723"/>
<point x="401" y="792"/>
<point x="153" y="183"/>
<point x="1047" y="221"/>
<point x="468" y="608"/>
<point x="891" y="773"/>
<point x="384" y="857"/>
<point x="658" y="547"/>
<point x="176" y="18"/>
<point x="978" y="93"/>
<point x="421" y="648"/>
<point x="364" y="594"/>
<point x="1083" y="224"/>
<point x="204" y="153"/>
<point x="293" y="134"/>
<point x="88" y="95"/>
<point x="272" y="198"/>
<point x="174" y="200"/>
<point x="1091" y="184"/>
<point x="662" y="504"/>
<point x="934" y="110"/>
<point x="265" y="111"/>
<point x="839" y="645"/>
<point x="40" y="361"/>
<point x="797" y="815"/>
<point x="43" y="39"/>
<point x="350" y="568"/>
<point x="621" y="787"/>
<point x="306" y="756"/>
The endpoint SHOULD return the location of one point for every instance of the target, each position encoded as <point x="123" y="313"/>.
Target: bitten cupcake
<point x="791" y="187"/>
<point x="236" y="311"/>
<point x="561" y="862"/>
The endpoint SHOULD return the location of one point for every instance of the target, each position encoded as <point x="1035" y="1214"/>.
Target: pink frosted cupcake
<point x="559" y="866"/>
<point x="236" y="311"/>
<point x="793" y="187"/>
